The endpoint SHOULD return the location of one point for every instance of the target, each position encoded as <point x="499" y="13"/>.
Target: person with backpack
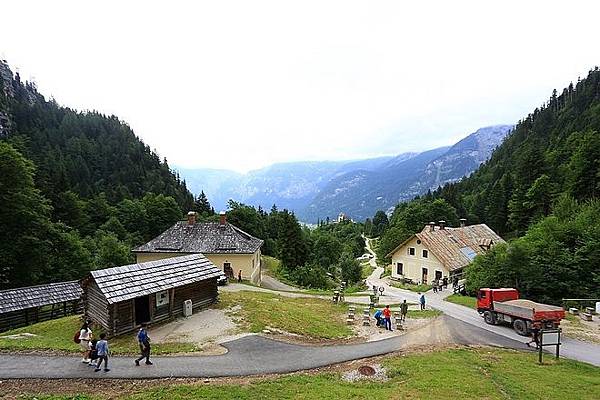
<point x="144" y="342"/>
<point x="378" y="317"/>
<point x="102" y="349"/>
<point x="85" y="335"/>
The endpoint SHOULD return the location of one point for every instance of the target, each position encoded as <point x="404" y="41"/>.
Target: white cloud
<point x="242" y="84"/>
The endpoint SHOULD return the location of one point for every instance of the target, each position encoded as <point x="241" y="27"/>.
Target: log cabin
<point x="119" y="299"/>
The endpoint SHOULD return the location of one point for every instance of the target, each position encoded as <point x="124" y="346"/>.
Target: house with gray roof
<point x="439" y="251"/>
<point x="121" y="298"/>
<point x="226" y="245"/>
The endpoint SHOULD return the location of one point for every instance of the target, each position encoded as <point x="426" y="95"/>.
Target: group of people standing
<point x="384" y="317"/>
<point x="96" y="352"/>
<point x="439" y="284"/>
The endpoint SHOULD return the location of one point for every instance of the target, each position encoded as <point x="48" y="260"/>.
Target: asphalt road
<point x="251" y="355"/>
<point x="570" y="348"/>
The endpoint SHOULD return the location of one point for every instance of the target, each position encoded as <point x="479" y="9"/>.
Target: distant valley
<point x="319" y="189"/>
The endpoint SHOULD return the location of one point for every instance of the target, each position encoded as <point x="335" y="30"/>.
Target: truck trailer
<point x="504" y="306"/>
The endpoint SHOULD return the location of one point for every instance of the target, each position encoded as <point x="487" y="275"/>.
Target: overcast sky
<point x="243" y="84"/>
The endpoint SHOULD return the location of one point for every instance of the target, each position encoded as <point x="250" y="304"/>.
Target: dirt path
<point x="268" y="282"/>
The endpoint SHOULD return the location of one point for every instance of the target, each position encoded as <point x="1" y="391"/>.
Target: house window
<point x="425" y="253"/>
<point x="411" y="251"/>
<point x="399" y="267"/>
<point x="162" y="298"/>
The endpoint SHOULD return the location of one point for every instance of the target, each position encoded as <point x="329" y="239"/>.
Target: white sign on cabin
<point x="162" y="298"/>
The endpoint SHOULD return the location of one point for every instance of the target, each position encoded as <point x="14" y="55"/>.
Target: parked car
<point x="222" y="280"/>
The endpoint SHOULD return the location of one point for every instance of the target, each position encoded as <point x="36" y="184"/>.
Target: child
<point x="102" y="349"/>
<point x="93" y="352"/>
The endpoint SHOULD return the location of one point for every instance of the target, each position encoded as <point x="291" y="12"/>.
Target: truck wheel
<point x="489" y="318"/>
<point x="520" y="327"/>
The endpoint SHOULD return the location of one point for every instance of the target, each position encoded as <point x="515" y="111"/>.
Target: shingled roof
<point x="206" y="237"/>
<point x="37" y="296"/>
<point x="136" y="280"/>
<point x="456" y="247"/>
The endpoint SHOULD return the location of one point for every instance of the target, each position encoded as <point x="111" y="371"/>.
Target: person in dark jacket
<point x="144" y="342"/>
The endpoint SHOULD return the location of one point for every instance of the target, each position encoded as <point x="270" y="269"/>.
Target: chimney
<point x="442" y="224"/>
<point x="222" y="218"/>
<point x="463" y="222"/>
<point x="191" y="216"/>
<point x="432" y="226"/>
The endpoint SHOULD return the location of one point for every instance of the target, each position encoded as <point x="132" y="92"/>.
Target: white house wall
<point x="413" y="265"/>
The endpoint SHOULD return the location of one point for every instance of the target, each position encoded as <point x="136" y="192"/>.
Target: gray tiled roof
<point x="136" y="280"/>
<point x="36" y="296"/>
<point x="207" y="238"/>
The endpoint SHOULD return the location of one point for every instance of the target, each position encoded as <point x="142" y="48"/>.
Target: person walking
<point x="422" y="300"/>
<point x="102" y="349"/>
<point x="240" y="276"/>
<point x="144" y="342"/>
<point x="387" y="315"/>
<point x="85" y="335"/>
<point x="403" y="310"/>
<point x="435" y="286"/>
<point x="535" y="338"/>
<point x="445" y="282"/>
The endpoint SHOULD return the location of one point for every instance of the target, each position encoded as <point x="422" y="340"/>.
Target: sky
<point x="243" y="84"/>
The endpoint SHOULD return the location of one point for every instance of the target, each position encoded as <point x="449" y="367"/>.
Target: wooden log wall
<point x="21" y="318"/>
<point x="96" y="306"/>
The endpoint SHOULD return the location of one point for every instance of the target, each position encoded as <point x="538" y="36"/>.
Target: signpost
<point x="549" y="337"/>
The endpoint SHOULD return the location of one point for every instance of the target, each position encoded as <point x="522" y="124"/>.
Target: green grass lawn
<point x="411" y="287"/>
<point x="310" y="317"/>
<point x="451" y="374"/>
<point x="421" y="314"/>
<point x="58" y="334"/>
<point x="466" y="301"/>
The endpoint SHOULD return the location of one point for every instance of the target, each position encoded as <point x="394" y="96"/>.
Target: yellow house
<point x="226" y="245"/>
<point x="440" y="252"/>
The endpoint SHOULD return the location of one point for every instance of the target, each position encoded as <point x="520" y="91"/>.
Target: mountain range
<point x="319" y="189"/>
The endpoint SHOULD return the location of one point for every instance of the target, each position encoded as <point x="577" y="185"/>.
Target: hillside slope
<point x="84" y="152"/>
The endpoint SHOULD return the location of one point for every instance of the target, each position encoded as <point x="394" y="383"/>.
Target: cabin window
<point x="162" y="298"/>
<point x="411" y="251"/>
<point x="399" y="267"/>
<point x="425" y="253"/>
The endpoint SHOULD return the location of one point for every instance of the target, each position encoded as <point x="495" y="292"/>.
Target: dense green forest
<point x="77" y="190"/>
<point x="310" y="257"/>
<point x="538" y="188"/>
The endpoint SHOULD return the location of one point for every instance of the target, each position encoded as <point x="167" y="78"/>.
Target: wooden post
<point x="171" y="301"/>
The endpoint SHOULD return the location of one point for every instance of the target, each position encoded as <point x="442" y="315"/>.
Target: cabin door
<point x="424" y="276"/>
<point x="142" y="309"/>
<point x="438" y="275"/>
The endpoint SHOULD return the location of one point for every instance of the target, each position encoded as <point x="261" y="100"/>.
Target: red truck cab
<point x="487" y="296"/>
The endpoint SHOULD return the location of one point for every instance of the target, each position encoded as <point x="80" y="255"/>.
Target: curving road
<point x="571" y="348"/>
<point x="251" y="355"/>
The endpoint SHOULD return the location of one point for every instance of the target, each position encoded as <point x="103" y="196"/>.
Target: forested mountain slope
<point x="87" y="153"/>
<point x="77" y="190"/>
<point x="554" y="150"/>
<point x="539" y="190"/>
